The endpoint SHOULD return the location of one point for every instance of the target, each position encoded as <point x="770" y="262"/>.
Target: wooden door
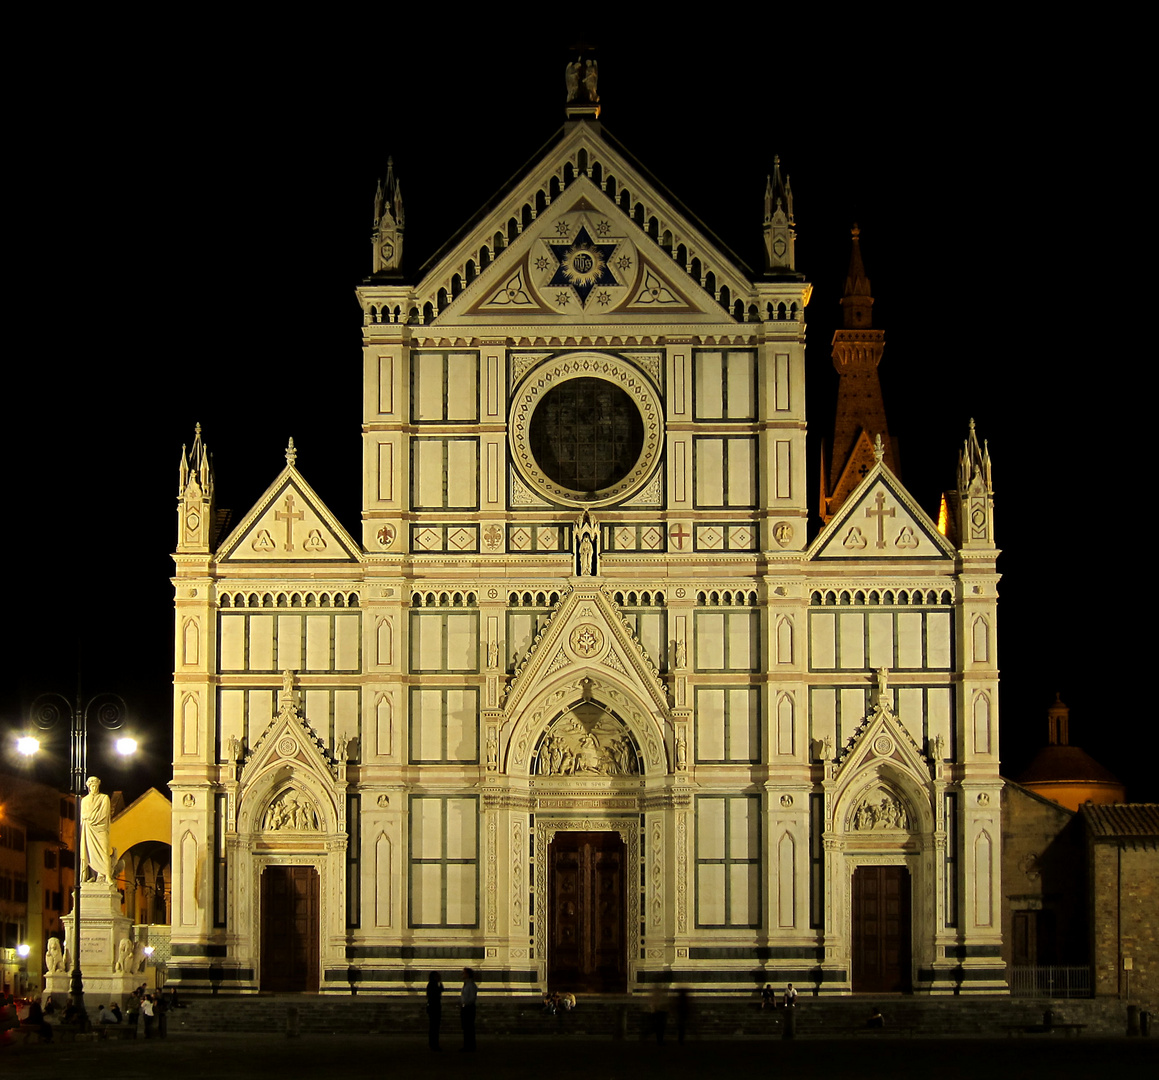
<point x="881" y="930"/>
<point x="587" y="949"/>
<point x="290" y="929"/>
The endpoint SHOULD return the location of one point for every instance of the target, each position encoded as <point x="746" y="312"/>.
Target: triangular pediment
<point x="289" y="523"/>
<point x="882" y="780"/>
<point x="597" y="240"/>
<point x="880" y="520"/>
<point x="587" y="638"/>
<point x="288" y="740"/>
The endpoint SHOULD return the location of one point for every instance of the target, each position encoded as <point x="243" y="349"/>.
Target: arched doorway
<point x="587" y="943"/>
<point x="290" y="929"/>
<point x="881" y="930"/>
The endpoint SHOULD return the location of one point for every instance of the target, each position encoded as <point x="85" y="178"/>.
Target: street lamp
<point x="48" y="712"/>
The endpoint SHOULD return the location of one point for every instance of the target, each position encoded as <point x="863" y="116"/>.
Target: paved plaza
<point x="223" y="1057"/>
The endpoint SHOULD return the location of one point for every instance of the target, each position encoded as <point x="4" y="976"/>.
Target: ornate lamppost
<point x="50" y="711"/>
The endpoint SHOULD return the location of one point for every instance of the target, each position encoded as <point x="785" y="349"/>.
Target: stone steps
<point x="629" y="1017"/>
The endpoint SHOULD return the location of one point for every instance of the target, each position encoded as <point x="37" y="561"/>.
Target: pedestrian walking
<point x="467" y="1008"/>
<point x="434" y="1009"/>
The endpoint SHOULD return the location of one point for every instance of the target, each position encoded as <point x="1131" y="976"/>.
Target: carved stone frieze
<point x="291" y="811"/>
<point x="587" y="742"/>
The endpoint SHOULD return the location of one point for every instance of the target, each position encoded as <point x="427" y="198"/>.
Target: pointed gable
<point x="880" y="520"/>
<point x="585" y="234"/>
<point x="289" y="523"/>
<point x="587" y="649"/>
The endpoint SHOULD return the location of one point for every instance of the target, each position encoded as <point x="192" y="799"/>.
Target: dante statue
<point x="96" y="816"/>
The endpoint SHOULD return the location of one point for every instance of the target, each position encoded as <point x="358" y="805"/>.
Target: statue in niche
<point x="492" y="655"/>
<point x="586" y="556"/>
<point x="681" y="653"/>
<point x="594" y="745"/>
<point x="290" y="811"/>
<point x="96" y="815"/>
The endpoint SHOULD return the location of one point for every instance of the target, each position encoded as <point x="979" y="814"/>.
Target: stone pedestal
<point x="102" y="928"/>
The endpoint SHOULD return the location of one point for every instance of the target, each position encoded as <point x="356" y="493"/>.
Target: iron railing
<point x="1049" y="981"/>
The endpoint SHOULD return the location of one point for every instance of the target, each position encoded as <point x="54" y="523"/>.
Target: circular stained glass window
<point x="587" y="435"/>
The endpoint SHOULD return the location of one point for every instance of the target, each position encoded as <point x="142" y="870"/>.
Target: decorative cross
<point x="881" y="514"/>
<point x="289" y="517"/>
<point x="678" y="533"/>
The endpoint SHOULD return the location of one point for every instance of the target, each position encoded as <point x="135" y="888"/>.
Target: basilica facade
<point x="584" y="702"/>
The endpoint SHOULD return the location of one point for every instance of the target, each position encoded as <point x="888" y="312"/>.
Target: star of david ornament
<point x="583" y="264"/>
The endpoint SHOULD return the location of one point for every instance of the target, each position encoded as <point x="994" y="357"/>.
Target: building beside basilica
<point x="583" y="702"/>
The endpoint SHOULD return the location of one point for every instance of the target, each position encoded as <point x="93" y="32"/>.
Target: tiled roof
<point x="1123" y="821"/>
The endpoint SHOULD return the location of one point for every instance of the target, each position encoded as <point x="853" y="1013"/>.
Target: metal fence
<point x="1049" y="981"/>
<point x="157" y="936"/>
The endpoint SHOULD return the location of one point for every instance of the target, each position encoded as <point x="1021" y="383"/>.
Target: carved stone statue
<point x="287" y="696"/>
<point x="586" y="557"/>
<point x="233" y="748"/>
<point x="96" y="815"/>
<point x="883" y="685"/>
<point x="880" y="811"/>
<point x="290" y="810"/>
<point x="591" y="78"/>
<point x="571" y="78"/>
<point x="573" y="748"/>
<point x="54" y="958"/>
<point x="492" y="654"/>
<point x="124" y="963"/>
<point x="681" y="653"/>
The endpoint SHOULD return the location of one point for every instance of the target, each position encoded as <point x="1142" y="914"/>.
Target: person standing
<point x="147" y="1012"/>
<point x="467" y="1008"/>
<point x="434" y="1009"/>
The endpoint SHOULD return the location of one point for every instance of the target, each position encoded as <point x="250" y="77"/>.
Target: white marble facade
<point x="585" y="598"/>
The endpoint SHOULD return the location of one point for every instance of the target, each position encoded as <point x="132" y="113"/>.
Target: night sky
<point x="205" y="219"/>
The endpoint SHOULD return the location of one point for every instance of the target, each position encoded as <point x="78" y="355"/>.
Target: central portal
<point x="881" y="930"/>
<point x="289" y="915"/>
<point x="587" y="931"/>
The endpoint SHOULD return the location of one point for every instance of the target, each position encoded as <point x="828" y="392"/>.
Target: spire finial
<point x="291" y="453"/>
<point x="878" y="449"/>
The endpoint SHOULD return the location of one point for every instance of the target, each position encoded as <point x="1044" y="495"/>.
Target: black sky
<point x="203" y="220"/>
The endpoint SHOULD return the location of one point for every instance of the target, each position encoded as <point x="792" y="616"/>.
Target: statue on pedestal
<point x="96" y="816"/>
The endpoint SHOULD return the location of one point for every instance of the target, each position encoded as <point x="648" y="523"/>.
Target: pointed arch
<point x="384" y="724"/>
<point x="385" y="641"/>
<point x="188" y="864"/>
<point x="784" y="640"/>
<point x="190" y="724"/>
<point x="785" y="710"/>
<point x="983" y="872"/>
<point x="981" y="639"/>
<point x="786" y="881"/>
<point x="981" y="722"/>
<point x="383" y="881"/>
<point x="190" y="643"/>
